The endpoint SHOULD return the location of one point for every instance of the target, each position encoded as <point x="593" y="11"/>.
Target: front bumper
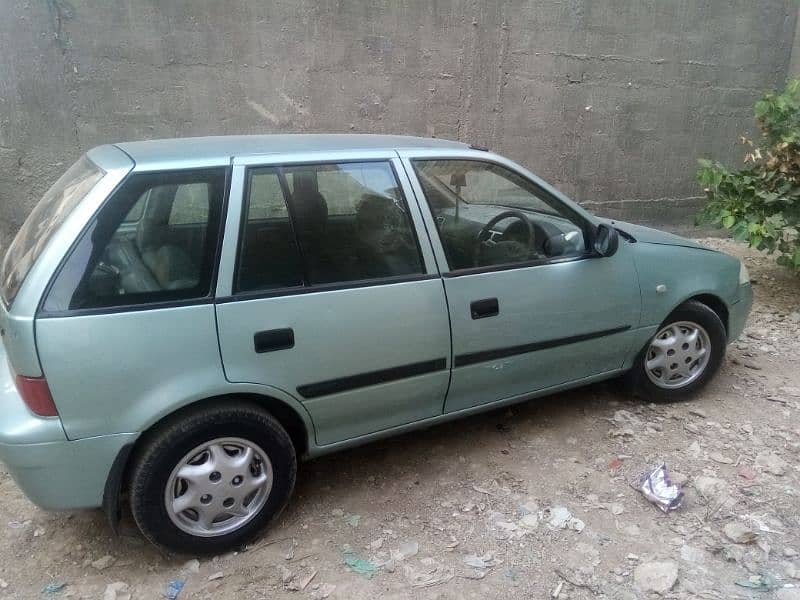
<point x="738" y="312"/>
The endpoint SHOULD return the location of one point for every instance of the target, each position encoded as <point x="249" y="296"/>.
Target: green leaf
<point x="728" y="221"/>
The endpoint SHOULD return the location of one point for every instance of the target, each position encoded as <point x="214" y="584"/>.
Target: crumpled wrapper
<point x="658" y="489"/>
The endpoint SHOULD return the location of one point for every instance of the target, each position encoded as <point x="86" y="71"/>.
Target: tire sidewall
<point x="702" y="315"/>
<point x="152" y="475"/>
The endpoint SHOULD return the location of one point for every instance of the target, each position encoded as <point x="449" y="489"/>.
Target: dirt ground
<point x="463" y="510"/>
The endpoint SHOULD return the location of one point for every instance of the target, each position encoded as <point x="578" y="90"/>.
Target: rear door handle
<point x="488" y="307"/>
<point x="273" y="339"/>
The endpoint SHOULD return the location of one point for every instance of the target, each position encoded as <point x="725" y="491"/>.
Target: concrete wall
<point x="611" y="100"/>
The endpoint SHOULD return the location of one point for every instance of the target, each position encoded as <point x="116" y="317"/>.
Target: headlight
<point x="744" y="276"/>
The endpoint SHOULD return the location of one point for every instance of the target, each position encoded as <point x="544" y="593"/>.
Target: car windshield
<point x="43" y="221"/>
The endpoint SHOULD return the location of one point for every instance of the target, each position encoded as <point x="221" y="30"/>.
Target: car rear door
<point x="327" y="292"/>
<point x="524" y="325"/>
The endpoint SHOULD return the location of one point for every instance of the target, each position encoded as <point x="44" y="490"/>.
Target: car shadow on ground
<point x="411" y="460"/>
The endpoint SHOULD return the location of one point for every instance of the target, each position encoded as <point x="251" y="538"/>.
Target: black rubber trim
<point x="323" y="287"/>
<point x="113" y="486"/>
<point x="344" y="384"/>
<point x="462" y="360"/>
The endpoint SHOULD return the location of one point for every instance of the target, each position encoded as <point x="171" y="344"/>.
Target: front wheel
<point x="211" y="479"/>
<point x="682" y="357"/>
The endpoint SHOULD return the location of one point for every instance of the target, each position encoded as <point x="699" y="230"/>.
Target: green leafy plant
<point x="760" y="203"/>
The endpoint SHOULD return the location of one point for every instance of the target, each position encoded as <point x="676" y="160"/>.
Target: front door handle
<point x="273" y="339"/>
<point x="488" y="307"/>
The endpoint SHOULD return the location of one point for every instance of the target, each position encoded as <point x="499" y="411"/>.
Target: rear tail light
<point x="36" y="394"/>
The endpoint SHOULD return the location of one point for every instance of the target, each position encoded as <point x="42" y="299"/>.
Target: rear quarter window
<point x="43" y="221"/>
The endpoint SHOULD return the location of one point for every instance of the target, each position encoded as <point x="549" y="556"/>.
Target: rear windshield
<point x="44" y="220"/>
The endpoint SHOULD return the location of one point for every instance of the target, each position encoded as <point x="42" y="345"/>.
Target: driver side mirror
<point x="606" y="240"/>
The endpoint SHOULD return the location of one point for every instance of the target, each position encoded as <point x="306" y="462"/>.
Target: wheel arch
<point x="716" y="304"/>
<point x="300" y="431"/>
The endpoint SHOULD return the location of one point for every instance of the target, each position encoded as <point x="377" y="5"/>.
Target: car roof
<point x="221" y="148"/>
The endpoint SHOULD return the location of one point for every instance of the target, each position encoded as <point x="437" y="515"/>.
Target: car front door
<point x="330" y="295"/>
<point x="531" y="306"/>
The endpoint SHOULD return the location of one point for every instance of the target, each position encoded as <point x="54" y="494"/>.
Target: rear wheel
<point x="212" y="479"/>
<point x="682" y="356"/>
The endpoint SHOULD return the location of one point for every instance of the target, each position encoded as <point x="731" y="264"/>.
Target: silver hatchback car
<point x="183" y="319"/>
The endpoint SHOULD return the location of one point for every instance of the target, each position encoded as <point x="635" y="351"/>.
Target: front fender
<point x="670" y="275"/>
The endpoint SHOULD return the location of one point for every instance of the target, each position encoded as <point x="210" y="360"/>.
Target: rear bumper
<point x="64" y="475"/>
<point x="739" y="312"/>
<point x="53" y="472"/>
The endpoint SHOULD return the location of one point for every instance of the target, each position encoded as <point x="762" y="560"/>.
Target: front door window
<point x="488" y="215"/>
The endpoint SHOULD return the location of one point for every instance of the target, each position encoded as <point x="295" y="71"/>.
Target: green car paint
<point x="365" y="361"/>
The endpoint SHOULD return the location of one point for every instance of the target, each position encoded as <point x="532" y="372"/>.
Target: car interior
<point x="323" y="225"/>
<point x="501" y="223"/>
<point x="368" y="236"/>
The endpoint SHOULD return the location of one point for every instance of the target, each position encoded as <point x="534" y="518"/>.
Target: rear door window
<point x="310" y="225"/>
<point x="51" y="211"/>
<point x="167" y="254"/>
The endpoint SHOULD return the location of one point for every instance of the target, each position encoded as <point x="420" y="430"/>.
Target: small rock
<point x="632" y="530"/>
<point x="657" y="576"/>
<point x="405" y="551"/>
<point x="691" y="428"/>
<point x="559" y="517"/>
<point x="711" y="488"/>
<point x="739" y="533"/>
<point x="3" y="584"/>
<point x="698" y="412"/>
<point x="733" y="554"/>
<point x="286" y="574"/>
<point x="678" y="478"/>
<point x="103" y="563"/>
<point x="771" y="463"/>
<point x="337" y="512"/>
<point x="693" y="555"/>
<point x="787" y="552"/>
<point x="192" y="566"/>
<point x="38" y="532"/>
<point x="791" y="570"/>
<point x="746" y="472"/>
<point x="717" y="457"/>
<point x="215" y="576"/>
<point x="324" y="591"/>
<point x="353" y="520"/>
<point x="529" y="521"/>
<point x="695" y="450"/>
<point x="117" y="591"/>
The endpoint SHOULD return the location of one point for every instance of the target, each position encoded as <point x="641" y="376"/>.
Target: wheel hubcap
<point x="678" y="355"/>
<point x="218" y="487"/>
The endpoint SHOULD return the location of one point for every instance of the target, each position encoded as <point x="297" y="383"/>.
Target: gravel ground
<point x="462" y="510"/>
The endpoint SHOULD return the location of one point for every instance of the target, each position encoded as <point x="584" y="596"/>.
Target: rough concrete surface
<point x="531" y="502"/>
<point x="610" y="100"/>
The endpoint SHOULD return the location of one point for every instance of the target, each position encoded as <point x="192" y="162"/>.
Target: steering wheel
<point x="484" y="238"/>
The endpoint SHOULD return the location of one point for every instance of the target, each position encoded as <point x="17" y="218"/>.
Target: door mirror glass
<point x="606" y="240"/>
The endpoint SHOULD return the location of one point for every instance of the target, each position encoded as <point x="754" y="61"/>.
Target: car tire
<point x="682" y="372"/>
<point x="195" y="460"/>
